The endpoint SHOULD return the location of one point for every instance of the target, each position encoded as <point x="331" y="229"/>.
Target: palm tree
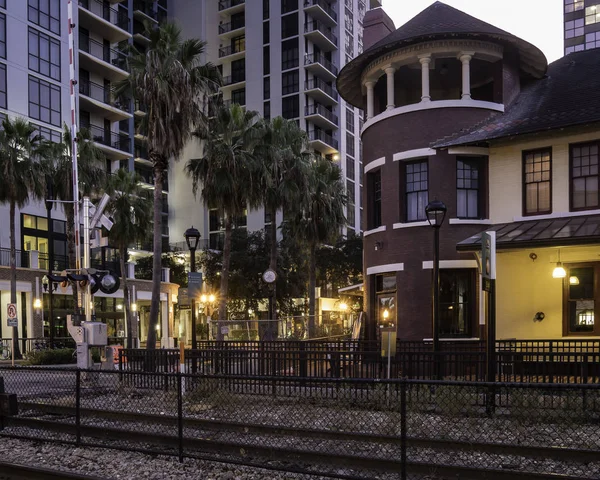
<point x="91" y="171"/>
<point x="321" y="219"/>
<point x="226" y="173"/>
<point x="285" y="162"/>
<point x="131" y="210"/>
<point x="22" y="180"/>
<point x="172" y="84"/>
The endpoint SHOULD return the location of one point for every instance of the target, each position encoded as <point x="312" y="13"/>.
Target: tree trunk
<point x="70" y="216"/>
<point x="126" y="305"/>
<point x="156" y="263"/>
<point x="312" y="283"/>
<point x="225" y="274"/>
<point x="13" y="278"/>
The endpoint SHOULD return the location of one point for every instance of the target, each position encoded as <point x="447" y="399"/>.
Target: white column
<point x="389" y="71"/>
<point x="370" y="99"/>
<point x="425" y="61"/>
<point x="465" y="58"/>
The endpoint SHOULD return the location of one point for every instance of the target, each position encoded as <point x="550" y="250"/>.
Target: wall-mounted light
<point x="533" y="256"/>
<point x="573" y="280"/>
<point x="386" y="314"/>
<point x="343" y="307"/>
<point x="134" y="307"/>
<point x="559" y="271"/>
<point x="378" y="246"/>
<point x="37" y="304"/>
<point x="336" y="157"/>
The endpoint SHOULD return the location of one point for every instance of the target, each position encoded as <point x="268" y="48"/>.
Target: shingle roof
<point x="568" y="96"/>
<point x="438" y="21"/>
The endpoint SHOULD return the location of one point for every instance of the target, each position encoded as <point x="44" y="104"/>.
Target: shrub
<point x="58" y="356"/>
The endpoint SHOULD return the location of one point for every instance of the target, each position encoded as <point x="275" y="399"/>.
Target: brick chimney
<point x="377" y="25"/>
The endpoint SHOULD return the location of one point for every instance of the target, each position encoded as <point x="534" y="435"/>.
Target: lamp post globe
<point x="436" y="213"/>
<point x="192" y="238"/>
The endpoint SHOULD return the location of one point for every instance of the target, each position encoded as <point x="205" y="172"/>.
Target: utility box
<point x="96" y="333"/>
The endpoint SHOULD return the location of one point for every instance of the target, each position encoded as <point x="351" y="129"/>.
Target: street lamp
<point x="192" y="238"/>
<point x="436" y="212"/>
<point x="49" y="205"/>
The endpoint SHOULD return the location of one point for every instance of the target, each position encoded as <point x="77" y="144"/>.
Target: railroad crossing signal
<point x="11" y="316"/>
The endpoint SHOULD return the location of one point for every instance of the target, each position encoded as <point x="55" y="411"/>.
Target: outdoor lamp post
<point x="436" y="212"/>
<point x="49" y="205"/>
<point x="192" y="238"/>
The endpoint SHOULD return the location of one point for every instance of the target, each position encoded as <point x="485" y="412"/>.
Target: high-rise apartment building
<point x="278" y="57"/>
<point x="582" y="25"/>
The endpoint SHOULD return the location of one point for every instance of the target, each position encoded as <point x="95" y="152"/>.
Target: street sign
<point x="11" y="316"/>
<point x="194" y="284"/>
<point x="183" y="298"/>
<point x="488" y="259"/>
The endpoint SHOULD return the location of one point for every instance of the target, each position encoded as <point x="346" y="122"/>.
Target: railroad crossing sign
<point x="12" y="320"/>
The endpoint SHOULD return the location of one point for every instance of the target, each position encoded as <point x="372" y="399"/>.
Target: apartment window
<point x="238" y="44"/>
<point x="350" y="144"/>
<point x="573" y="5"/>
<point x="238" y="70"/>
<point x="44" y="101"/>
<point x="288" y="6"/>
<point x="584" y="176"/>
<point x="266" y="88"/>
<point x="457" y="302"/>
<point x="44" y="54"/>
<point x="2" y="3"/>
<point x="350" y="171"/>
<point x="289" y="54"/>
<point x="3" y="89"/>
<point x="417" y="195"/>
<point x="267" y="110"/>
<point x="239" y="96"/>
<point x="350" y="192"/>
<point x="238" y="20"/>
<point x="2" y="35"/>
<point x="351" y="216"/>
<point x="574" y="28"/>
<point x="289" y="25"/>
<point x="45" y="13"/>
<point x="385" y="286"/>
<point x="468" y="188"/>
<point x="266" y="33"/>
<point x="537" y="182"/>
<point x="290" y="107"/>
<point x="266" y="60"/>
<point x="48" y="134"/>
<point x="592" y="40"/>
<point x="374" y="199"/>
<point x="290" y="82"/>
<point x="349" y="119"/>
<point x="576" y="48"/>
<point x="580" y="293"/>
<point x="592" y="14"/>
<point x="266" y="8"/>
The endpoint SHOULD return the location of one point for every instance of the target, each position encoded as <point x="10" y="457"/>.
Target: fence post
<point x="403" y="429"/>
<point x="180" y="415"/>
<point x="78" y="407"/>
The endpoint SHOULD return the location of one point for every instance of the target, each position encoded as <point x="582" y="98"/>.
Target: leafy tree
<point x="22" y="180"/>
<point x="340" y="265"/>
<point x="131" y="210"/>
<point x="178" y="274"/>
<point x="91" y="165"/>
<point x="170" y="81"/>
<point x="320" y="220"/>
<point x="226" y="173"/>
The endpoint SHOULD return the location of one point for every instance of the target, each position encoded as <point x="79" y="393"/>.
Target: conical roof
<point x="436" y="22"/>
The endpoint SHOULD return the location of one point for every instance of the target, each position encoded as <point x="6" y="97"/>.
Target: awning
<point x="558" y="232"/>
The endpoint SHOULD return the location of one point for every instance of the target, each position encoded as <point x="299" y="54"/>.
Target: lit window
<point x="581" y="299"/>
<point x="573" y="5"/>
<point x="592" y="14"/>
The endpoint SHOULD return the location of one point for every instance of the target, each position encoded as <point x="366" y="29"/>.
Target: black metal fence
<point x="539" y="361"/>
<point x="342" y="428"/>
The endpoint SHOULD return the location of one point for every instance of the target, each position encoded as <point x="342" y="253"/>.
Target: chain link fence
<point x="331" y="427"/>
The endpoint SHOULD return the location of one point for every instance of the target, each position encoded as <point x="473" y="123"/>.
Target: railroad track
<point x="13" y="471"/>
<point x="246" y="449"/>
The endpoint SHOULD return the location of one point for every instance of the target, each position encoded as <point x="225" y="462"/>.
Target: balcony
<point x="98" y="16"/>
<point x="321" y="10"/>
<point x="318" y="65"/>
<point x="321" y="117"/>
<point x="230" y="7"/>
<point x="144" y="11"/>
<point x="322" y="142"/>
<point x="234" y="81"/>
<point x="231" y="29"/>
<point x="114" y="145"/>
<point x="139" y="109"/>
<point x="139" y="33"/>
<point x="232" y="52"/>
<point x="147" y="179"/>
<point x="98" y="58"/>
<point x="321" y="34"/>
<point x="321" y="92"/>
<point x="140" y="155"/>
<point x="98" y="99"/>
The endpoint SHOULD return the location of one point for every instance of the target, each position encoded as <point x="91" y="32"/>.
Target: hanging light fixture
<point x="559" y="271"/>
<point x="573" y="280"/>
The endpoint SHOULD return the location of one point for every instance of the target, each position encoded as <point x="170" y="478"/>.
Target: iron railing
<point x="103" y="52"/>
<point x="319" y="135"/>
<point x="317" y="83"/>
<point x="60" y="262"/>
<point x="312" y="58"/>
<point x="21" y="258"/>
<point x="324" y="5"/>
<point x="316" y="25"/>
<point x="225" y="4"/>
<point x="230" y="50"/>
<point x="110" y="139"/>
<point x="232" y="79"/>
<point x="230" y="26"/>
<point x="111" y="15"/>
<point x="317" y="109"/>
<point x="145" y="7"/>
<point x="103" y="94"/>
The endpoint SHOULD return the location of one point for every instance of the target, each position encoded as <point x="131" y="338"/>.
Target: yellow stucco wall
<point x="505" y="175"/>
<point x="525" y="287"/>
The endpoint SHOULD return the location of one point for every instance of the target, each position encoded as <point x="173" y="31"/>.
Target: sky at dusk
<point x="538" y="21"/>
